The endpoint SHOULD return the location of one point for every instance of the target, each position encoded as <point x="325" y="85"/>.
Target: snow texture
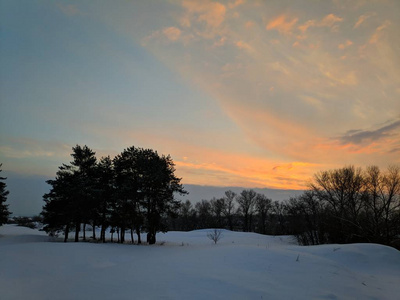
<point x="187" y="265"/>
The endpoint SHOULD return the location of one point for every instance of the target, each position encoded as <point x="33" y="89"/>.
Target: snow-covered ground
<point x="187" y="265"/>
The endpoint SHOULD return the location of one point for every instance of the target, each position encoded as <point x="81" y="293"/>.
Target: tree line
<point x="134" y="191"/>
<point x="4" y="212"/>
<point x="345" y="205"/>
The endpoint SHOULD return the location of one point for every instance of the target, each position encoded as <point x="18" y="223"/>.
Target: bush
<point x="215" y="235"/>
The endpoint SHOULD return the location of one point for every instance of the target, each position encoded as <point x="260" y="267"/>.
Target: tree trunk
<point x="151" y="237"/>
<point x="94" y="231"/>
<point x="138" y="234"/>
<point x="66" y="233"/>
<point x="77" y="228"/>
<point x="103" y="233"/>
<point x="122" y="235"/>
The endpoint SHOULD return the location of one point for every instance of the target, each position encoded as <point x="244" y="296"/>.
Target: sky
<point x="240" y="93"/>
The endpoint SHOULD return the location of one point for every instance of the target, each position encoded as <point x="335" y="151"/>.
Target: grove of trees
<point x="348" y="205"/>
<point x="4" y="212"/>
<point x="344" y="205"/>
<point x="134" y="191"/>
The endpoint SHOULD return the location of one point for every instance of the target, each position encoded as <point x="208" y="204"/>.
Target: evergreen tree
<point x="71" y="200"/>
<point x="105" y="190"/>
<point x="84" y="167"/>
<point x="4" y="213"/>
<point x="60" y="208"/>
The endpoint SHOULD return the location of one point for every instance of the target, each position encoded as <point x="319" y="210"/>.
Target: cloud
<point x="293" y="91"/>
<point x="327" y="21"/>
<point x="379" y="32"/>
<point x="212" y="13"/>
<point x="236" y="3"/>
<point x="330" y="20"/>
<point x="243" y="45"/>
<point x="172" y="33"/>
<point x="345" y="45"/>
<point x="369" y="136"/>
<point x="361" y="20"/>
<point x="31" y="148"/>
<point x="283" y="24"/>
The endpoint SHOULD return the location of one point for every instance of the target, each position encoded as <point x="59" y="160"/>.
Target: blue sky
<point x="240" y="93"/>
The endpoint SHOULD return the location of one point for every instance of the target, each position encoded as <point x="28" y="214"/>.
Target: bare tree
<point x="229" y="207"/>
<point x="263" y="206"/>
<point x="246" y="202"/>
<point x="215" y="235"/>
<point x="343" y="191"/>
<point x="217" y="209"/>
<point x="203" y="209"/>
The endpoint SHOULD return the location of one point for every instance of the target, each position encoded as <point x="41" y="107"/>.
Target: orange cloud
<point x="236" y="3"/>
<point x="243" y="45"/>
<point x="310" y="23"/>
<point x="361" y="20"/>
<point x="245" y="171"/>
<point x="328" y="21"/>
<point x="212" y="13"/>
<point x="172" y="33"/>
<point x="282" y="24"/>
<point x="378" y="32"/>
<point x="345" y="45"/>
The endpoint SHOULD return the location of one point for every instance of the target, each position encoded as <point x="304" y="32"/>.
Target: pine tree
<point x="4" y="213"/>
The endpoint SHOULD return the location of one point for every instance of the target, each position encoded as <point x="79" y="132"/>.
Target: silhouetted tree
<point x="229" y="207"/>
<point x="83" y="167"/>
<point x="187" y="216"/>
<point x="217" y="210"/>
<point x="246" y="201"/>
<point x="204" y="217"/>
<point x="343" y="191"/>
<point x="279" y="218"/>
<point x="60" y="203"/>
<point x="263" y="205"/>
<point x="4" y="212"/>
<point x="382" y="217"/>
<point x="105" y="192"/>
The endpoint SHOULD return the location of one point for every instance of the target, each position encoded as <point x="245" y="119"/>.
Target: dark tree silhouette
<point x="60" y="203"/>
<point x="134" y="191"/>
<point x="229" y="207"/>
<point x="246" y="201"/>
<point x="263" y="205"/>
<point x="4" y="212"/>
<point x="105" y="192"/>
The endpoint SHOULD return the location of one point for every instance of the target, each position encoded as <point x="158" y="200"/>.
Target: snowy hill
<point x="187" y="265"/>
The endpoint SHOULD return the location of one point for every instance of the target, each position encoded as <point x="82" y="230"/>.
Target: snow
<point x="187" y="265"/>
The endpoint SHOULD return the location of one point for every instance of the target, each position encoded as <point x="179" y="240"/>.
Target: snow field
<point x="187" y="265"/>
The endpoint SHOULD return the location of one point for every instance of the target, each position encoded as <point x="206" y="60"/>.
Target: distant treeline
<point x="346" y="205"/>
<point x="4" y="212"/>
<point x="134" y="192"/>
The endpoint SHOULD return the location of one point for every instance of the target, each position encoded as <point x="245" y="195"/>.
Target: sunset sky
<point x="239" y="93"/>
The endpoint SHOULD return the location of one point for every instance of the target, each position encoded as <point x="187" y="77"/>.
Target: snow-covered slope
<point x="189" y="266"/>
